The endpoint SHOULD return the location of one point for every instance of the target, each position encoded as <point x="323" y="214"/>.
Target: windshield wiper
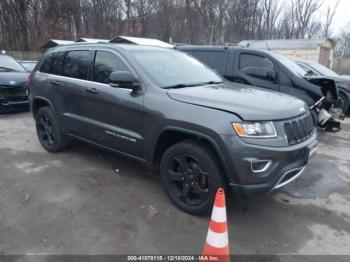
<point x="178" y="86"/>
<point x="191" y="85"/>
<point x="8" y="69"/>
<point x="211" y="83"/>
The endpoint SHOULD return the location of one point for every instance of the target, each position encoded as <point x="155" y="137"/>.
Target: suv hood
<point x="12" y="78"/>
<point x="249" y="103"/>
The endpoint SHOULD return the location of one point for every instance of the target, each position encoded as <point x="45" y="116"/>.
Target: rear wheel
<point x="48" y="131"/>
<point x="191" y="176"/>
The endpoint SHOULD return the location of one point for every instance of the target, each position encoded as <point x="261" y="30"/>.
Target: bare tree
<point x="212" y="13"/>
<point x="329" y="19"/>
<point x="304" y="11"/>
<point x="144" y="9"/>
<point x="342" y="48"/>
<point x="271" y="11"/>
<point x="26" y="24"/>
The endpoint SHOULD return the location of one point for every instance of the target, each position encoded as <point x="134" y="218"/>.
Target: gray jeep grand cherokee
<point x="166" y="109"/>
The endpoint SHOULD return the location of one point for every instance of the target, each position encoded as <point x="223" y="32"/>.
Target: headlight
<point x="256" y="130"/>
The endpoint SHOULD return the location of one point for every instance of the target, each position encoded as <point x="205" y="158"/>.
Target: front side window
<point x="169" y="68"/>
<point x="76" y="64"/>
<point x="258" y="67"/>
<point x="105" y="63"/>
<point x="248" y="61"/>
<point x="52" y="63"/>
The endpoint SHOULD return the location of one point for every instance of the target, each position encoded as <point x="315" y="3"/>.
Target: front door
<point x="113" y="116"/>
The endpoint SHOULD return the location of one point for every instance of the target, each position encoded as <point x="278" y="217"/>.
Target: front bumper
<point x="285" y="165"/>
<point x="14" y="105"/>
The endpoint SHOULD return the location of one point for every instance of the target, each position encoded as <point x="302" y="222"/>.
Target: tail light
<point x="29" y="80"/>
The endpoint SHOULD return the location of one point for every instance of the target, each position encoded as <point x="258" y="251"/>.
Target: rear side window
<point x="76" y="64"/>
<point x="215" y="59"/>
<point x="106" y="63"/>
<point x="248" y="61"/>
<point x="52" y="63"/>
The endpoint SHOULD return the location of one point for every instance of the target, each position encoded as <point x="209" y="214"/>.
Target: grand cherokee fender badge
<point x="124" y="137"/>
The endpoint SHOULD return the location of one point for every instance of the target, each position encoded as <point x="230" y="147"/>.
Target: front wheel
<point x="344" y="102"/>
<point x="191" y="176"/>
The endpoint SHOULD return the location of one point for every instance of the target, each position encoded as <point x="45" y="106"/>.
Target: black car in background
<point x="342" y="82"/>
<point x="13" y="91"/>
<point x="274" y="72"/>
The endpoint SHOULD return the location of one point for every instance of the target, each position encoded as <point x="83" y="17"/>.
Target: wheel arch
<point x="39" y="102"/>
<point x="346" y="95"/>
<point x="170" y="135"/>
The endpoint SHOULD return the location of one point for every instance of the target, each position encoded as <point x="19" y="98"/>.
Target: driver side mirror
<point x="124" y="79"/>
<point x="272" y="76"/>
<point x="310" y="73"/>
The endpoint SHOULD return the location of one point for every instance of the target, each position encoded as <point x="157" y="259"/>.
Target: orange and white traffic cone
<point x="217" y="239"/>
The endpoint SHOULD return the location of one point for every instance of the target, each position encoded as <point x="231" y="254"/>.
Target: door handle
<point x="55" y="82"/>
<point x="92" y="90"/>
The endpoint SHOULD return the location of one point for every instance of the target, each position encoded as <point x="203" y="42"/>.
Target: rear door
<point x="113" y="116"/>
<point x="72" y="85"/>
<point x="255" y="69"/>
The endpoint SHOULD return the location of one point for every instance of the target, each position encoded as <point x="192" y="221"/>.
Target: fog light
<point x="259" y="166"/>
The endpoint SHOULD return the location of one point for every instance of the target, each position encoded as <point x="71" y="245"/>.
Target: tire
<point x="344" y="103"/>
<point x="191" y="176"/>
<point x="48" y="131"/>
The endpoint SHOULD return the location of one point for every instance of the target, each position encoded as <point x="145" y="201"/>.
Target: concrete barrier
<point x="341" y="66"/>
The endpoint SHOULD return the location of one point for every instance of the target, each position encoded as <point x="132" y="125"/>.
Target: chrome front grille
<point x="8" y="92"/>
<point x="299" y="130"/>
<point x="18" y="85"/>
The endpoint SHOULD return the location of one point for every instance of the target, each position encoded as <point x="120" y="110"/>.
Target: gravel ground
<point x="87" y="201"/>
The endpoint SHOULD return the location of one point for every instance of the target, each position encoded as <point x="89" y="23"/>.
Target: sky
<point x="342" y="16"/>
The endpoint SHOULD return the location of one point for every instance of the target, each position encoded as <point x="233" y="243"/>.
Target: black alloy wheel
<point x="48" y="131"/>
<point x="45" y="131"/>
<point x="344" y="102"/>
<point x="187" y="180"/>
<point x="191" y="176"/>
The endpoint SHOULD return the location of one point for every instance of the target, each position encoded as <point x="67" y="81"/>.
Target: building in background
<point x="119" y="39"/>
<point x="91" y="40"/>
<point x="55" y="42"/>
<point x="140" y="41"/>
<point x="320" y="51"/>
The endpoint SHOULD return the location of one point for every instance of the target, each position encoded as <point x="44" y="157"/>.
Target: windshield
<point x="9" y="64"/>
<point x="324" y="71"/>
<point x="29" y="65"/>
<point x="174" y="69"/>
<point x="291" y="65"/>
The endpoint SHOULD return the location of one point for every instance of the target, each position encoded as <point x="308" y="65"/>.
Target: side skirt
<point x="132" y="157"/>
